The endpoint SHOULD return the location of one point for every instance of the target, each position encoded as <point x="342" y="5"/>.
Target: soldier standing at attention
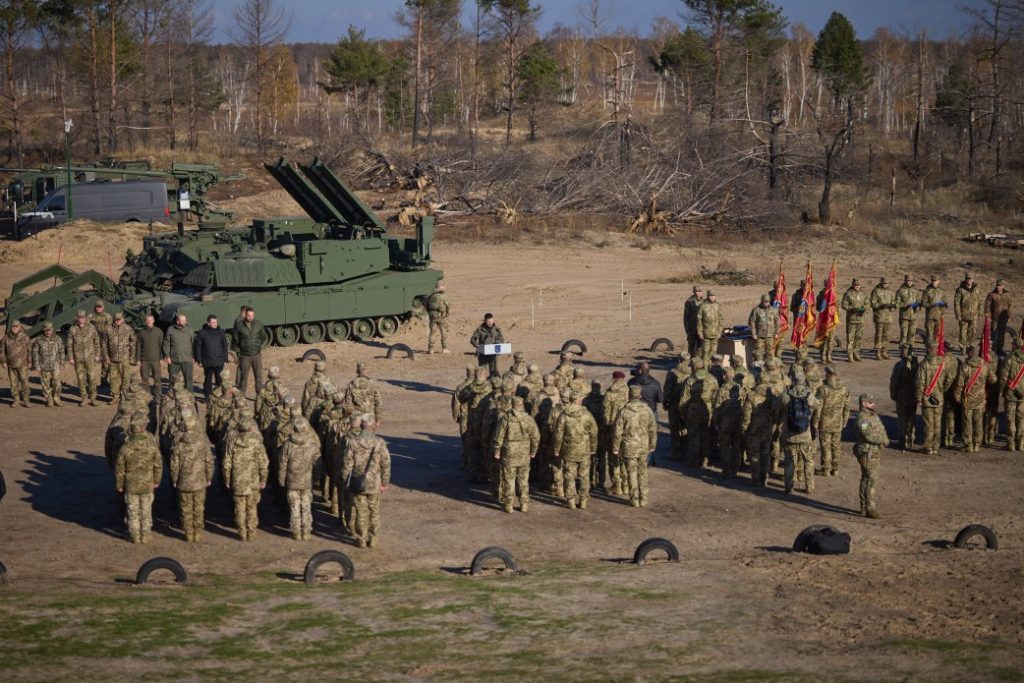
<point x="366" y="471"/>
<point x="16" y="354"/>
<point x="487" y="333"/>
<point x="934" y="302"/>
<point x="797" y="405"/>
<point x="997" y="307"/>
<point x="149" y="350"/>
<point x="179" y="344"/>
<point x="191" y="470"/>
<point x="575" y="442"/>
<point x="247" y="338"/>
<point x="635" y="436"/>
<point x="437" y="312"/>
<point x="971" y="390"/>
<point x="313" y="387"/>
<point x="48" y="356"/>
<point x="883" y="301"/>
<point x="363" y="396"/>
<point x="931" y="382"/>
<point x="138" y="470"/>
<point x="673" y="388"/>
<point x="967" y="308"/>
<point x="855" y="303"/>
<point x="85" y="354"/>
<point x="908" y="300"/>
<point x="1011" y="378"/>
<point x="102" y="321"/>
<point x="764" y="325"/>
<point x="709" y="326"/>
<point x="295" y="474"/>
<point x="832" y="416"/>
<point x="245" y="473"/>
<point x="120" y="340"/>
<point x="902" y="390"/>
<point x="691" y="309"/>
<point x="871" y="437"/>
<point x="516" y="441"/>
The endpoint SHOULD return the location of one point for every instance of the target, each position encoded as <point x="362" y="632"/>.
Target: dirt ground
<point x="900" y="606"/>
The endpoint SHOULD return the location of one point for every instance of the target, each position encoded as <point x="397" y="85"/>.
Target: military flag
<point x="829" y="311"/>
<point x="781" y="304"/>
<point x="940" y="337"/>
<point x="986" y="340"/>
<point x="803" y="321"/>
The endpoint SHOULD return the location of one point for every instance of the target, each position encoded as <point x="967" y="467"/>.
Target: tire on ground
<point x="492" y="553"/>
<point x="348" y="570"/>
<point x="652" y="544"/>
<point x="157" y="563"/>
<point x="971" y="531"/>
<point x="579" y="345"/>
<point x="662" y="341"/>
<point x="800" y="544"/>
<point x="314" y="354"/>
<point x="401" y="348"/>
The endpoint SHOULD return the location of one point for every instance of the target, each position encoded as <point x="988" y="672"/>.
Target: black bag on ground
<point x="828" y="542"/>
<point x="798" y="415"/>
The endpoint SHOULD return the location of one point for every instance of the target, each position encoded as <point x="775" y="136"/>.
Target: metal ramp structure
<point x="323" y="196"/>
<point x="59" y="302"/>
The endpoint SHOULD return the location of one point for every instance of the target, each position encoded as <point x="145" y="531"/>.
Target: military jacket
<point x="516" y="438"/>
<point x="367" y="455"/>
<point x="998" y="305"/>
<point x="835" y="407"/>
<point x="245" y="463"/>
<point x="48" y="353"/>
<point x="362" y="396"/>
<point x="16" y="350"/>
<point x="975" y="397"/>
<point x="298" y="456"/>
<point x="764" y="322"/>
<point x="967" y="302"/>
<point x="933" y="300"/>
<point x="727" y="413"/>
<point x="139" y="466"/>
<point x="709" y="320"/>
<point x="855" y="304"/>
<point x="437" y="305"/>
<point x="575" y="434"/>
<point x="120" y="341"/>
<point x="908" y="300"/>
<point x="1008" y="372"/>
<point x="883" y="301"/>
<point x="870" y="432"/>
<point x="83" y="345"/>
<point x="635" y="433"/>
<point x="191" y="465"/>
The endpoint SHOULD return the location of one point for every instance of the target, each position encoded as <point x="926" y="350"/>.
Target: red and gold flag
<point x="940" y="337"/>
<point x="829" y="312"/>
<point x="781" y="304"/>
<point x="803" y="321"/>
<point x="986" y="340"/>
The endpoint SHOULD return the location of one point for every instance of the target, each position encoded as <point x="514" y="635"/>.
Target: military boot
<point x="371" y="541"/>
<point x="583" y="503"/>
<point x="872" y="514"/>
<point x="571" y="504"/>
<point x="524" y="507"/>
<point x="507" y="508"/>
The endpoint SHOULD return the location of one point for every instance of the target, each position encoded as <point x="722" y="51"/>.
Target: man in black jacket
<point x="487" y="333"/>
<point x="650" y="393"/>
<point x="211" y="351"/>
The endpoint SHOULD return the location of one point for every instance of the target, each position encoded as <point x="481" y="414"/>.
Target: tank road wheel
<point x="265" y="338"/>
<point x="286" y="335"/>
<point x="387" y="326"/>
<point x="312" y="333"/>
<point x="338" y="330"/>
<point x="362" y="329"/>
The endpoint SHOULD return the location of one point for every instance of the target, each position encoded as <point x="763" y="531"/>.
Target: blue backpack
<point x="798" y="415"/>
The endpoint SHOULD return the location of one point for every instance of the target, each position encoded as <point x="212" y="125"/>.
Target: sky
<point x="324" y="21"/>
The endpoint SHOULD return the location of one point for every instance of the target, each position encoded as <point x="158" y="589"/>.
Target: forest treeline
<point x="725" y="102"/>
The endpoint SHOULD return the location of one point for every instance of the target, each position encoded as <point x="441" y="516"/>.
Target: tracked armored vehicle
<point x="336" y="274"/>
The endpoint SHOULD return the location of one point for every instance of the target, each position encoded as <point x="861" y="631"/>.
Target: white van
<point x="102" y="201"/>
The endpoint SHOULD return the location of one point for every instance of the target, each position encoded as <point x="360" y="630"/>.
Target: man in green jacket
<point x="178" y="345"/>
<point x="247" y="340"/>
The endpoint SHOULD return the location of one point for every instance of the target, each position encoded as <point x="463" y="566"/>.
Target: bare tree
<point x="511" y="21"/>
<point x="260" y="26"/>
<point x="17" y="20"/>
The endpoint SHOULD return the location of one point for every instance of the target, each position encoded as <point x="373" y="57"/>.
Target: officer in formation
<point x="870" y="438"/>
<point x="437" y="313"/>
<point x="16" y="354"/>
<point x="366" y="469"/>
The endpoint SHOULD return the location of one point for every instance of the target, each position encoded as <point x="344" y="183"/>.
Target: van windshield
<point x="55" y="202"/>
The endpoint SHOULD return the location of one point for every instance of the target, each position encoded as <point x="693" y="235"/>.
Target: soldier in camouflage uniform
<point x="797" y="446"/>
<point x="551" y="462"/>
<point x="517" y="373"/>
<point x="191" y="474"/>
<point x="971" y="390"/>
<point x="934" y="302"/>
<point x="460" y="409"/>
<point x="673" y="388"/>
<point x="217" y="408"/>
<point x="691" y="309"/>
<point x="16" y="354"/>
<point x="362" y="396"/>
<point x="908" y="301"/>
<point x="579" y="383"/>
<point x="530" y="386"/>
<point x="741" y="373"/>
<point x="366" y="457"/>
<point x="288" y="413"/>
<point x="778" y="384"/>
<point x="295" y="474"/>
<point x="574" y="443"/>
<point x="902" y="390"/>
<point x="563" y="373"/>
<point x="635" y="436"/>
<point x="997" y="307"/>
<point x="727" y="418"/>
<point x="951" y="404"/>
<point x="610" y="472"/>
<point x="245" y="473"/>
<point x="117" y="433"/>
<point x="695" y="402"/>
<point x="119" y="340"/>
<point x="930" y="384"/>
<point x="501" y="403"/>
<point x="709" y="326"/>
<point x="759" y="428"/>
<point x="84" y="352"/>
<point x="967" y="304"/>
<point x="312" y="388"/>
<point x="548" y="398"/>
<point x="855" y="303"/>
<point x="268" y="396"/>
<point x="834" y="411"/>
<point x="764" y="325"/>
<point x="334" y="423"/>
<point x="883" y="303"/>
<point x="472" y="396"/>
<point x="437" y="312"/>
<point x="339" y="443"/>
<point x="1011" y="379"/>
<point x="138" y="470"/>
<point x="871" y="437"/>
<point x="516" y="441"/>
<point x="48" y="355"/>
<point x="102" y="321"/>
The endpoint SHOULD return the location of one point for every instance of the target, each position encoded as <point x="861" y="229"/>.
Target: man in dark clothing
<point x="149" y="344"/>
<point x="487" y="333"/>
<point x="247" y="338"/>
<point x="690" y="311"/>
<point x="650" y="393"/>
<point x="178" y="344"/>
<point x="211" y="351"/>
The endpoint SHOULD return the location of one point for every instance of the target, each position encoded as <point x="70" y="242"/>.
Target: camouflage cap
<point x="716" y="358"/>
<point x="320" y="366"/>
<point x="684" y="355"/>
<point x="968" y="276"/>
<point x="563" y="355"/>
<point x="338" y="398"/>
<point x="867" y="398"/>
<point x="578" y="372"/>
<point x="518" y="402"/>
<point x="519" y="355"/>
<point x="360" y="366"/>
<point x="765" y="299"/>
<point x="831" y="370"/>
<point x="1000" y="281"/>
<point x="856" y="281"/>
<point x="119" y="316"/>
<point x="496" y="382"/>
<point x="566" y="393"/>
<point x="737" y="360"/>
<point x="99" y="303"/>
<point x="907" y="277"/>
<point x="697" y="288"/>
<point x="533" y="367"/>
<point x="933" y="278"/>
<point x="48" y="326"/>
<point x="697" y="363"/>
<point x="227" y="382"/>
<point x="883" y="280"/>
<point x="799" y="377"/>
<point x="595" y="384"/>
<point x="634" y="392"/>
<point x="711" y="293"/>
<point x="274" y="372"/>
<point x="80" y="313"/>
<point x="288" y="400"/>
<point x="470" y="369"/>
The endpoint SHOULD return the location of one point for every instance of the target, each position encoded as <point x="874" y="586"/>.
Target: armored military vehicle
<point x="336" y="274"/>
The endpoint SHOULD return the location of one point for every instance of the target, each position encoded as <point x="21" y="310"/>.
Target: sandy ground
<point x="899" y="583"/>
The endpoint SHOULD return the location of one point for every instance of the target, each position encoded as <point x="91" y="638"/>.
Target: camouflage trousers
<point x="139" y="515"/>
<point x="869" y="464"/>
<point x="830" y="452"/>
<point x="117" y="377"/>
<point x="931" y="326"/>
<point x="86" y="373"/>
<point x="708" y="347"/>
<point x="343" y="507"/>
<point x="967" y="329"/>
<point x="636" y="480"/>
<point x="799" y="456"/>
<point x="881" y="339"/>
<point x="52" y="386"/>
<point x="974" y="428"/>
<point x="365" y="515"/>
<point x="908" y="330"/>
<point x="300" y="513"/>
<point x="246" y="515"/>
<point x="19" y="384"/>
<point x="759" y="448"/>
<point x="698" y="441"/>
<point x="438" y="326"/>
<point x="555" y="474"/>
<point x="602" y="473"/>
<point x="730" y="445"/>
<point x="854" y="339"/>
<point x="1014" y="425"/>
<point x="515" y="480"/>
<point x="576" y="480"/>
<point x="763" y="348"/>
<point x="950" y="418"/>
<point x="827" y="345"/>
<point x="192" y="505"/>
<point x="906" y="419"/>
<point x="932" y="417"/>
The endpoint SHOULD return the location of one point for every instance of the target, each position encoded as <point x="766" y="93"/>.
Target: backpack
<point x="798" y="415"/>
<point x="828" y="542"/>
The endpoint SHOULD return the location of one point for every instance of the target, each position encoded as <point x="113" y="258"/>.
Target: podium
<point x="494" y="349"/>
